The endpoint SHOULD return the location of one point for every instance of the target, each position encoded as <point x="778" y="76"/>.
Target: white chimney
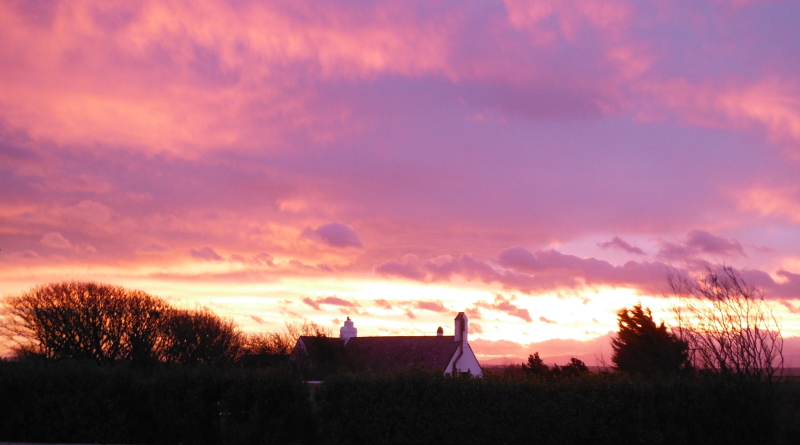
<point x="348" y="331"/>
<point x="461" y="328"/>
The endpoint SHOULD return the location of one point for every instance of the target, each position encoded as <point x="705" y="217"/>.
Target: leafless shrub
<point x="727" y="324"/>
<point x="201" y="336"/>
<point x="282" y="342"/>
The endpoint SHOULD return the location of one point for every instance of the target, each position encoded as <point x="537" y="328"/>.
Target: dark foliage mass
<point x="608" y="409"/>
<point x="643" y="347"/>
<point x="536" y="367"/>
<point x="81" y="402"/>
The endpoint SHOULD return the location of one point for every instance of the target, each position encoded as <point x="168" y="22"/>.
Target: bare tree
<point x="267" y="348"/>
<point x="727" y="324"/>
<point x="92" y="321"/>
<point x="201" y="336"/>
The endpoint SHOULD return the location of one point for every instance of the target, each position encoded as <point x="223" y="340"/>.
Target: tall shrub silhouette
<point x="643" y="347"/>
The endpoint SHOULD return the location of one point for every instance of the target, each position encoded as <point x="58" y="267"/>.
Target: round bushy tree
<point x="92" y="321"/>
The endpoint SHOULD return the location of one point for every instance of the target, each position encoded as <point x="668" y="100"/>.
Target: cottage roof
<point x="394" y="353"/>
<point x="387" y="354"/>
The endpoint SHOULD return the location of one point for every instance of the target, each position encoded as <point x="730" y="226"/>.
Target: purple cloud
<point x="675" y="252"/>
<point x="619" y="243"/>
<point x="708" y="243"/>
<point x="335" y="235"/>
<point x="206" y="253"/>
<point x="700" y="242"/>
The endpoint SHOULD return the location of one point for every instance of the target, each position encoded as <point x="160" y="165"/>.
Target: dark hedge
<point x="423" y="408"/>
<point x="68" y="402"/>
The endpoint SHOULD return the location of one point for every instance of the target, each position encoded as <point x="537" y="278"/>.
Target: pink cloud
<point x="26" y="255"/>
<point x="779" y="201"/>
<point x="770" y="103"/>
<point x="519" y="268"/>
<point x="788" y="286"/>
<point x="431" y="305"/>
<point x="155" y="66"/>
<point x="260" y="259"/>
<point x="507" y="306"/>
<point x="548" y="20"/>
<point x="383" y="304"/>
<point x="558" y="350"/>
<point x="55" y="239"/>
<point x="791" y="307"/>
<point x="474" y="313"/>
<point x="311" y="302"/>
<point x="89" y="211"/>
<point x="407" y="267"/>
<point x="330" y="301"/>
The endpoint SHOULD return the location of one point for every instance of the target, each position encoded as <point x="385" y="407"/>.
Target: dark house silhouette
<point x="388" y="354"/>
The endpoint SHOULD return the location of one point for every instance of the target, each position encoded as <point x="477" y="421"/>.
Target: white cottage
<point x="387" y="354"/>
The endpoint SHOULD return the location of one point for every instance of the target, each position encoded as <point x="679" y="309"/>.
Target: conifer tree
<point x="643" y="347"/>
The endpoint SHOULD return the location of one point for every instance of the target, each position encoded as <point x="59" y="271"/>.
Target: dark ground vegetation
<point x="82" y="402"/>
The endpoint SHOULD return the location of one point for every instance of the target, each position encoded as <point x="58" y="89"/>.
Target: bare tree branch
<point x="727" y="324"/>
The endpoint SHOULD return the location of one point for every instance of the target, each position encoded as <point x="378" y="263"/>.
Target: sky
<point x="539" y="165"/>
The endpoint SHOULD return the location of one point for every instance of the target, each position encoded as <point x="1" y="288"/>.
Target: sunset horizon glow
<point x="538" y="165"/>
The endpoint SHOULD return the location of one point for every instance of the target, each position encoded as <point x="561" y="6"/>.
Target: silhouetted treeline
<point x="111" y="325"/>
<point x="76" y="402"/>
